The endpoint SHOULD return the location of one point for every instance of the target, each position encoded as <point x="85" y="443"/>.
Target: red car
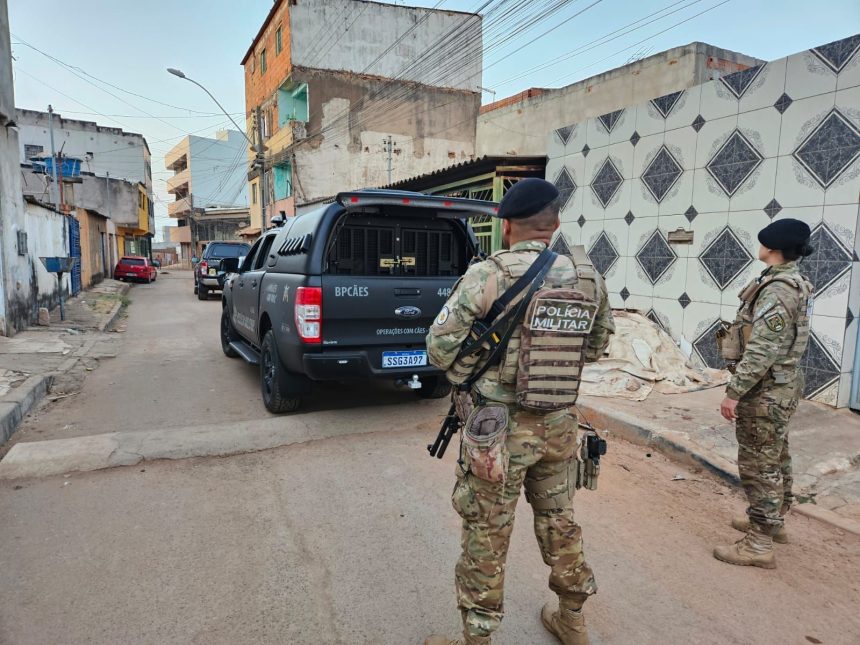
<point x="135" y="267"/>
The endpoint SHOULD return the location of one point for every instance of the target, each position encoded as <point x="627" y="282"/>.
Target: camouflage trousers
<point x="764" y="462"/>
<point x="540" y="447"/>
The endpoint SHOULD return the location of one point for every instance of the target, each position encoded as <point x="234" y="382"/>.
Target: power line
<point x="83" y="71"/>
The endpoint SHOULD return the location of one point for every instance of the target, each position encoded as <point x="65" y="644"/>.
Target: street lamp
<point x="258" y="148"/>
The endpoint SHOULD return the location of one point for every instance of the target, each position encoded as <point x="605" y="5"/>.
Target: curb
<point x="633" y="430"/>
<point x="110" y="450"/>
<point x="113" y="314"/>
<point x="19" y="402"/>
<point x="110" y="318"/>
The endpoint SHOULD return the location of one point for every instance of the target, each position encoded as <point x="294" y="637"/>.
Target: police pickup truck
<point x="348" y="291"/>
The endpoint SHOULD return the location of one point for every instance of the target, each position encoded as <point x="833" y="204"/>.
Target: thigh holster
<point x="537" y="489"/>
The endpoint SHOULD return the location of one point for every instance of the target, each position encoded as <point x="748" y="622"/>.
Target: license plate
<point x="213" y="271"/>
<point x="414" y="358"/>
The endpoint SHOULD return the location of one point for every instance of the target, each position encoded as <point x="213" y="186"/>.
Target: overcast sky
<point x="129" y="44"/>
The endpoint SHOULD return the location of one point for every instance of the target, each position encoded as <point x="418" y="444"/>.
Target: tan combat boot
<point x="436" y="639"/>
<point x="755" y="549"/>
<point x="566" y="624"/>
<point x="742" y="524"/>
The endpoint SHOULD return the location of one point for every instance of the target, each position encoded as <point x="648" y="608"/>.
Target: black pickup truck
<point x="348" y="291"/>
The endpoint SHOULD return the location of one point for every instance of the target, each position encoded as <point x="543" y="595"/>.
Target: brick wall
<point x="259" y="86"/>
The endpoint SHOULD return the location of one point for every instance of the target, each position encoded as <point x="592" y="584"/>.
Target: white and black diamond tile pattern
<point x="765" y="89"/>
<point x="820" y="369"/>
<point x="725" y="258"/>
<point x="830" y="259"/>
<point x="830" y="148"/>
<point x="661" y="174"/>
<point x="606" y="182"/>
<point x="838" y="54"/>
<point x="566" y="186"/>
<point x="734" y="162"/>
<point x="656" y="256"/>
<point x="807" y="75"/>
<point x="603" y="254"/>
<point x="775" y="141"/>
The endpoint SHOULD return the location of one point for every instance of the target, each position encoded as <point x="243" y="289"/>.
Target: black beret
<point x="527" y="197"/>
<point x="784" y="235"/>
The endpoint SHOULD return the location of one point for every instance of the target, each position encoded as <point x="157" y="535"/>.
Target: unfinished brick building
<point x="330" y="82"/>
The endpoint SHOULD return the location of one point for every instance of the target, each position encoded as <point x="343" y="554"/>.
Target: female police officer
<point x="764" y="346"/>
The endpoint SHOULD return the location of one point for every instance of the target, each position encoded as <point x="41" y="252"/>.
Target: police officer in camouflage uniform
<point x="762" y="395"/>
<point x="541" y="447"/>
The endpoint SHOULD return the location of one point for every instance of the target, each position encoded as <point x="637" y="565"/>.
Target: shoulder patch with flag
<point x="775" y="321"/>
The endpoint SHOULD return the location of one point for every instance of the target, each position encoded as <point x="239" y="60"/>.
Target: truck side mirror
<point x="194" y="259"/>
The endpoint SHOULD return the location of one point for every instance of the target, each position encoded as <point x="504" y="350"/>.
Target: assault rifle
<point x="449" y="428"/>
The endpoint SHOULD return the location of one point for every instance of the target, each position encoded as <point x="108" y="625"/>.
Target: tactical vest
<point x="732" y="338"/>
<point x="546" y="352"/>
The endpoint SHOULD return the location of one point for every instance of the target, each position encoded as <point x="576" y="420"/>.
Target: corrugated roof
<point x="471" y="167"/>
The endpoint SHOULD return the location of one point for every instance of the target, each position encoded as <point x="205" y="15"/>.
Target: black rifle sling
<point x="511" y="319"/>
<point x="491" y="322"/>
<point x="543" y="259"/>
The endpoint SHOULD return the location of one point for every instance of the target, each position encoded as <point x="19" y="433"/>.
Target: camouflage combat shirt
<point x="475" y="293"/>
<point x="771" y="344"/>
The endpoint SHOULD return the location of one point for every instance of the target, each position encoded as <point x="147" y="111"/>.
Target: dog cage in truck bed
<point x="373" y="246"/>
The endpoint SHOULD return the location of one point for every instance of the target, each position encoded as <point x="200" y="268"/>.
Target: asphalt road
<point x="353" y="539"/>
<point x="171" y="373"/>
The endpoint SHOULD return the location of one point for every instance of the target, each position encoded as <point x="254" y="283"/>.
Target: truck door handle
<point x="241" y="283"/>
<point x="253" y="284"/>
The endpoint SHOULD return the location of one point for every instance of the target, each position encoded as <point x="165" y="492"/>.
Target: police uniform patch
<point x="442" y="318"/>
<point x="775" y="321"/>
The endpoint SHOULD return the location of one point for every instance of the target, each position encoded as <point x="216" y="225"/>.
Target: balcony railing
<point x="179" y="207"/>
<point x="178" y="180"/>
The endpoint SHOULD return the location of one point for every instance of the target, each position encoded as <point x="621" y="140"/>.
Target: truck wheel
<point x="195" y="287"/>
<point x="434" y="387"/>
<point x="227" y="335"/>
<point x="276" y="396"/>
<point x="202" y="292"/>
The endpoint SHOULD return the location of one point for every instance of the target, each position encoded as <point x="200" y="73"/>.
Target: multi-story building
<point x="103" y="151"/>
<point x="207" y="173"/>
<point x="508" y="126"/>
<point x="108" y="154"/>
<point x="347" y="94"/>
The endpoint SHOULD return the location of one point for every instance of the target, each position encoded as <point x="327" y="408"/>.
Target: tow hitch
<point x="412" y="384"/>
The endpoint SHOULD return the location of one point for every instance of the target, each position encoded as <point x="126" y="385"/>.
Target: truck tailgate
<point x="364" y="312"/>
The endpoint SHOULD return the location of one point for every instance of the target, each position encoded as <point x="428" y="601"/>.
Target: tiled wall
<point x="723" y="160"/>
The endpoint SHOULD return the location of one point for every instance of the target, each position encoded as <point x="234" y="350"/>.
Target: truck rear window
<point x="373" y="246"/>
<point x="226" y="250"/>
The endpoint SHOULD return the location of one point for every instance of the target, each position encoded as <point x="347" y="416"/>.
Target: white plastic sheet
<point x="641" y="358"/>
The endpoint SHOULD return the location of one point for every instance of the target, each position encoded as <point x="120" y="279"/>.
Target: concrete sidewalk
<point x="41" y="358"/>
<point x="825" y="442"/>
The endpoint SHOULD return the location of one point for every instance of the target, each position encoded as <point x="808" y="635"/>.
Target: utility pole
<point x="260" y="162"/>
<point x="389" y="144"/>
<point x="108" y="193"/>
<point x="55" y="187"/>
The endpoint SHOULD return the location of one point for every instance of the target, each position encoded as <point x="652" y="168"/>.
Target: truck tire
<point x="195" y="287"/>
<point x="274" y="380"/>
<point x="202" y="292"/>
<point x="434" y="387"/>
<point x="227" y="335"/>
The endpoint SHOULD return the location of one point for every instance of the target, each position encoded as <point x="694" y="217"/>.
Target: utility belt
<point x="484" y="453"/>
<point x="557" y="323"/>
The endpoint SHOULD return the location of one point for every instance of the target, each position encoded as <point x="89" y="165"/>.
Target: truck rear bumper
<point x="332" y="366"/>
